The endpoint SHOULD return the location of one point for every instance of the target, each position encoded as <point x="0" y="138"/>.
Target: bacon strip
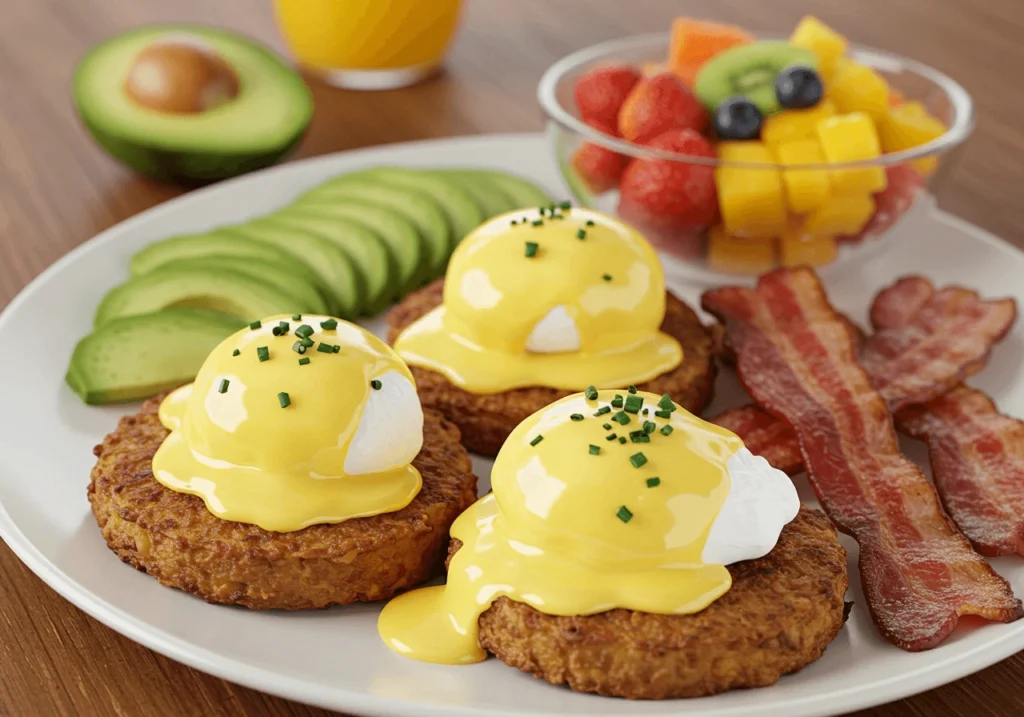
<point x="895" y="306"/>
<point x="797" y="360"/>
<point x="766" y="436"/>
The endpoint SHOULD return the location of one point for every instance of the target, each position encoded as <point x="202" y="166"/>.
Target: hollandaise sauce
<point x="600" y="501"/>
<point x="558" y="298"/>
<point x="265" y="432"/>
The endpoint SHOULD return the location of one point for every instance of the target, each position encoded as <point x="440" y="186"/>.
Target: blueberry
<point x="738" y="118"/>
<point x="798" y="87"/>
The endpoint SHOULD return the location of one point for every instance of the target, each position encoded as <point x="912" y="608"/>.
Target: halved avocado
<point x="134" y="357"/>
<point x="255" y="129"/>
<point x="267" y="271"/>
<point x="463" y="213"/>
<point x="218" y="242"/>
<point x="229" y="292"/>
<point x="412" y="204"/>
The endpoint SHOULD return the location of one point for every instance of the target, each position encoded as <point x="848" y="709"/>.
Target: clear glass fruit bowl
<point x="696" y="245"/>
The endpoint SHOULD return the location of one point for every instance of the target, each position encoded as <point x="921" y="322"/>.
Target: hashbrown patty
<point x="173" y="537"/>
<point x="486" y="420"/>
<point x="780" y="614"/>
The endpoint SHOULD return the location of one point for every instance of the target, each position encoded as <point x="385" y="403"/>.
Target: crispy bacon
<point x="796" y="358"/>
<point x="931" y="350"/>
<point x="765" y="435"/>
<point x="894" y="306"/>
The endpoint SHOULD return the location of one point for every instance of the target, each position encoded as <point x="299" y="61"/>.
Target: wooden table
<point x="57" y="190"/>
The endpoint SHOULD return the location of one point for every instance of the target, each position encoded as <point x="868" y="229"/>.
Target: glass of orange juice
<point x="369" y="44"/>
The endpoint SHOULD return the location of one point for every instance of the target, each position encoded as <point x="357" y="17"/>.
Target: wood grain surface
<point x="57" y="190"/>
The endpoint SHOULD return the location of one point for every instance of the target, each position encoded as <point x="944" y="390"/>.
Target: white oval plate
<point x="334" y="658"/>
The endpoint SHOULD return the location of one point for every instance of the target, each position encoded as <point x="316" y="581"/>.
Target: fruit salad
<point x="769" y="130"/>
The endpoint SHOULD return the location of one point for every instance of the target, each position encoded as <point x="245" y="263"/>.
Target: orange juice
<point x="393" y="39"/>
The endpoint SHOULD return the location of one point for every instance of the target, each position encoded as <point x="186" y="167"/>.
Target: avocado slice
<point x="462" y="212"/>
<point x="230" y="292"/>
<point x="520" y="192"/>
<point x="255" y="129"/>
<point x="261" y="269"/>
<point x="398" y="232"/>
<point x="418" y="208"/>
<point x="215" y="243"/>
<point x="489" y="198"/>
<point x="134" y="357"/>
<point x="369" y="254"/>
<point x="336" y="275"/>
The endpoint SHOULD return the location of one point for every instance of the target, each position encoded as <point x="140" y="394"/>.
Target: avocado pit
<point x="181" y="74"/>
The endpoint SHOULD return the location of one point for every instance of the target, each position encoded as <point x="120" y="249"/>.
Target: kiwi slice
<point x="749" y="71"/>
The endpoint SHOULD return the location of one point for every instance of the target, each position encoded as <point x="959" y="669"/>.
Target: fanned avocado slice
<point x="229" y="292"/>
<point x="135" y="357"/>
<point x="518" y="192"/>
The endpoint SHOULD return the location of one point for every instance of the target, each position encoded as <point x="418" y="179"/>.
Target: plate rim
<point x="956" y="666"/>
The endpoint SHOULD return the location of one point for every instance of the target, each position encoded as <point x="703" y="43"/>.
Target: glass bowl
<point x="706" y="252"/>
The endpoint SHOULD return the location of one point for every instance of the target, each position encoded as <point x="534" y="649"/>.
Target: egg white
<point x="761" y="501"/>
<point x="390" y="432"/>
<point x="555" y="333"/>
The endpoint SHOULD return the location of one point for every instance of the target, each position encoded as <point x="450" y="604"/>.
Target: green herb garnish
<point x="304" y="331"/>
<point x="603" y="410"/>
<point x="622" y="439"/>
<point x="329" y="324"/>
<point x="531" y="249"/>
<point x="606" y="277"/>
<point x="375" y="384"/>
<point x="617" y="401"/>
<point x="538" y="222"/>
<point x="565" y="206"/>
<point x="581" y="234"/>
<point x="284" y="399"/>
<point x="661" y="413"/>
<point x="298" y="347"/>
<point x="262" y="353"/>
<point x="576" y="416"/>
<point x="611" y="437"/>
<point x="621" y="418"/>
<point x="639" y="437"/>
<point x="649" y="427"/>
<point x="653" y="482"/>
<point x="223" y="387"/>
<point x="590" y="222"/>
<point x="255" y="325"/>
<point x="634" y="403"/>
<point x="631" y="388"/>
<point x="666" y="430"/>
<point x="638" y="459"/>
<point x="536" y="439"/>
<point x="666" y="403"/>
<point x="594" y="450"/>
<point x="296" y="317"/>
<point x="235" y="352"/>
<point x="325" y="348"/>
<point x="606" y="426"/>
<point x="304" y="360"/>
<point x="590" y="393"/>
<point x="624" y="514"/>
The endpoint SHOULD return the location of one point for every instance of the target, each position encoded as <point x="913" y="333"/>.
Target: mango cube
<point x="826" y="44"/>
<point x="852" y="138"/>
<point x="840" y="215"/>
<point x="795" y="124"/>
<point x="795" y="250"/>
<point x="910" y="125"/>
<point x="858" y="88"/>
<point x="806" y="189"/>
<point x="752" y="200"/>
<point x="739" y="255"/>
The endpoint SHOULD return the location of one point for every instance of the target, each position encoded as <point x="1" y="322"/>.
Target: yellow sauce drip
<point x="609" y="282"/>
<point x="251" y="460"/>
<point x="552" y="533"/>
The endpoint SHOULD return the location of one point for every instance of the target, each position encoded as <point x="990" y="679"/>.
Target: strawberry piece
<point x="599" y="167"/>
<point x="659" y="104"/>
<point x="667" y="195"/>
<point x="904" y="183"/>
<point x="600" y="93"/>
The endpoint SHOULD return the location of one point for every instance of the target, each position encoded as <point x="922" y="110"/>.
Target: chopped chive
<point x="638" y="459"/>
<point x="581" y="234"/>
<point x="296" y="317"/>
<point x="649" y="427"/>
<point x="298" y="347"/>
<point x="375" y="384"/>
<point x="276" y="331"/>
<point x="653" y="482"/>
<point x="621" y="418"/>
<point x="235" y="352"/>
<point x="639" y="437"/>
<point x="606" y="426"/>
<point x="536" y="439"/>
<point x="515" y="223"/>
<point x="590" y="393"/>
<point x="622" y="439"/>
<point x="263" y="353"/>
<point x="223" y="387"/>
<point x="531" y="249"/>
<point x="631" y="388"/>
<point x="255" y="325"/>
<point x="307" y="342"/>
<point x="304" y="360"/>
<point x="329" y="324"/>
<point x="537" y="222"/>
<point x="541" y="210"/>
<point x="576" y="416"/>
<point x="565" y="206"/>
<point x="284" y="326"/>
<point x="666" y="403"/>
<point x="284" y="399"/>
<point x="337" y="348"/>
<point x="606" y="277"/>
<point x="304" y="331"/>
<point x="594" y="450"/>
<point x="660" y="413"/>
<point x="611" y="437"/>
<point x="590" y="222"/>
<point x="624" y="514"/>
<point x="634" y="403"/>
<point x="325" y="348"/>
<point x="603" y="410"/>
<point x="666" y="430"/>
<point x="617" y="401"/>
